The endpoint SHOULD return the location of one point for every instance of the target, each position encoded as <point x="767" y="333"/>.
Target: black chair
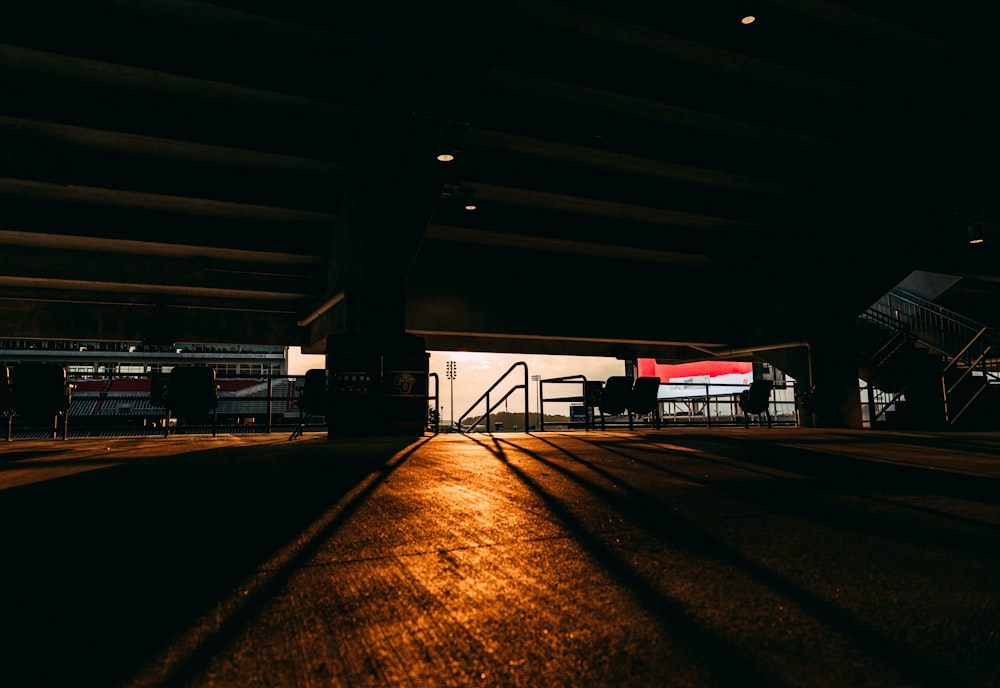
<point x="615" y="396"/>
<point x="191" y="392"/>
<point x="6" y="403"/>
<point x="312" y="399"/>
<point x="757" y="401"/>
<point x="624" y="396"/>
<point x="643" y="400"/>
<point x="41" y="394"/>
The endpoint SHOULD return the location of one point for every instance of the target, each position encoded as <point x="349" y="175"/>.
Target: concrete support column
<point x="836" y="399"/>
<point x="377" y="384"/>
<point x="378" y="373"/>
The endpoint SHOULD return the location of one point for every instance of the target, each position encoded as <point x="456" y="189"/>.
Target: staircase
<point x="930" y="367"/>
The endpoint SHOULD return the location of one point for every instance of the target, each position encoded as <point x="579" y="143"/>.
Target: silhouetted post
<point x="451" y="377"/>
<point x="538" y="390"/>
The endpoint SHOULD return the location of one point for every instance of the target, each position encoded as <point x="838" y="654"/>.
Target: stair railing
<point x="932" y="325"/>
<point x="491" y="407"/>
<point x="881" y="401"/>
<point x="968" y="370"/>
<point x="964" y="344"/>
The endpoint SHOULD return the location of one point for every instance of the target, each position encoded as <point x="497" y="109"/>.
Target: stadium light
<point x="451" y="373"/>
<point x="538" y="388"/>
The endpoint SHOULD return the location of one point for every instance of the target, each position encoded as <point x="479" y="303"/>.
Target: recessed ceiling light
<point x="975" y="233"/>
<point x="749" y="19"/>
<point x="470" y="206"/>
<point x="446" y="157"/>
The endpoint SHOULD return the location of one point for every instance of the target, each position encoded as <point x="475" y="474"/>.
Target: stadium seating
<point x="128" y="385"/>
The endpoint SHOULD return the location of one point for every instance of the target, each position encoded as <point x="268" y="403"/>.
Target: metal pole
<point x="538" y="388"/>
<point x="451" y="377"/>
<point x="708" y="405"/>
<point x="527" y="401"/>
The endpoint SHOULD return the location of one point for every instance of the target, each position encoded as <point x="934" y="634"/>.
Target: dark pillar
<point x="836" y="399"/>
<point x="377" y="372"/>
<point x="378" y="384"/>
<point x="405" y="376"/>
<point x="354" y="375"/>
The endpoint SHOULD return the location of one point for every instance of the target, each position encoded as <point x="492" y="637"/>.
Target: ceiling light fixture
<point x="445" y="157"/>
<point x="975" y="233"/>
<point x="749" y="19"/>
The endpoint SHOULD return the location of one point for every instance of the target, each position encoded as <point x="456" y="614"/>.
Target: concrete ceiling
<point x="653" y="179"/>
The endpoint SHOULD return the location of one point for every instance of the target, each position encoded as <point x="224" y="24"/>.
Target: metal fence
<point x="126" y="406"/>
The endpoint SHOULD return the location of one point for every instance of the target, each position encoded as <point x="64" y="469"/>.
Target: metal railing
<point x="933" y="326"/>
<point x="717" y="404"/>
<point x="967" y="347"/>
<point x="126" y="406"/>
<point x="434" y="408"/>
<point x="588" y="404"/>
<point x="682" y="403"/>
<point x="491" y="406"/>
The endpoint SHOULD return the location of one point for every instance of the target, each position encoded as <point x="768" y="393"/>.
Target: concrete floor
<point x="693" y="557"/>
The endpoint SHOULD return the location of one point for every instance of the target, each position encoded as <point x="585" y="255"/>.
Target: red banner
<point x="700" y="369"/>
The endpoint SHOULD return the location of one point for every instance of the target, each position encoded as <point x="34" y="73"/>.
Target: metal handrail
<point x="434" y="398"/>
<point x="569" y="379"/>
<point x="932" y="325"/>
<point x="964" y="343"/>
<point x="491" y="407"/>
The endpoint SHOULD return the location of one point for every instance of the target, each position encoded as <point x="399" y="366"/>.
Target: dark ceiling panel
<point x="647" y="176"/>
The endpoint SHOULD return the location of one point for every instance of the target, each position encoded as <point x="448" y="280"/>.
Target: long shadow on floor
<point x="102" y="569"/>
<point x="793" y="496"/>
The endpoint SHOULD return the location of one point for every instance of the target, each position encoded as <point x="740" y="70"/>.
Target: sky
<point x="475" y="372"/>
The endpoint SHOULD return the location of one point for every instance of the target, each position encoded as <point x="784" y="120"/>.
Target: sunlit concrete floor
<point x="701" y="557"/>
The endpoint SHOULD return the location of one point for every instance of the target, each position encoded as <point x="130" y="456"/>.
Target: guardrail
<point x="127" y="405"/>
<point x="590" y="396"/>
<point x="681" y="403"/>
<point x="491" y="406"/>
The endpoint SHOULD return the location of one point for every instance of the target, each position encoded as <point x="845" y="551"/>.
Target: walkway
<point x="696" y="557"/>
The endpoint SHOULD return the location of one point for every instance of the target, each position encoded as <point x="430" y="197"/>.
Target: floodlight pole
<point x="538" y="389"/>
<point x="451" y="378"/>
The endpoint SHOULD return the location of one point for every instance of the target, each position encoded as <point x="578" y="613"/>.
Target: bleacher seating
<point x="83" y="406"/>
<point x="129" y="384"/>
<point x="235" y="386"/>
<point x="85" y="386"/>
<point x="242" y="401"/>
